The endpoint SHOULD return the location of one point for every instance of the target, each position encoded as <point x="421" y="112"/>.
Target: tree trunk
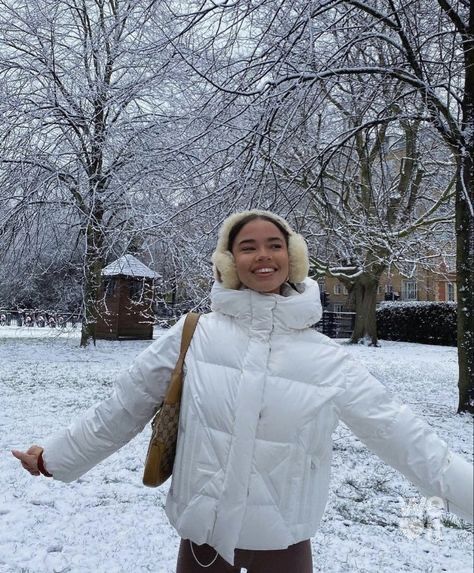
<point x="93" y="265"/>
<point x="465" y="234"/>
<point x="465" y="293"/>
<point x="91" y="286"/>
<point x="364" y="293"/>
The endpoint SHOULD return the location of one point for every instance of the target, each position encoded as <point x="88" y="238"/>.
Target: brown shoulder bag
<point x="162" y="449"/>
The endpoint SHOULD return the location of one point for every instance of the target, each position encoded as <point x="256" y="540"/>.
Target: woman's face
<point x="261" y="256"/>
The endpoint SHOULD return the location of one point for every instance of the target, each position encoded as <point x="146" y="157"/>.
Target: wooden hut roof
<point x="129" y="266"/>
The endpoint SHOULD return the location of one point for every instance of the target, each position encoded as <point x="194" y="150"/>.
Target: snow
<point x="411" y="303"/>
<point x="109" y="522"/>
<point x="129" y="266"/>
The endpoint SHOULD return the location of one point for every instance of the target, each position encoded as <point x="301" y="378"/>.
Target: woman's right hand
<point x="29" y="459"/>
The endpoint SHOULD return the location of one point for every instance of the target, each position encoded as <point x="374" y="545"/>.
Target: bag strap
<point x="175" y="387"/>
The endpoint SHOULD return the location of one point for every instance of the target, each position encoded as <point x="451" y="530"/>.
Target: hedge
<point x="424" y="322"/>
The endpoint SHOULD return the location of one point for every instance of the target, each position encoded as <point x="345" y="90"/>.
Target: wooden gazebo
<point x="125" y="300"/>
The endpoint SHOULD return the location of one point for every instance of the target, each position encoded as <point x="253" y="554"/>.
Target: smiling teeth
<point x="264" y="270"/>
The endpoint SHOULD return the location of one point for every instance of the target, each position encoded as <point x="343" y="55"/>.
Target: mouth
<point x="265" y="271"/>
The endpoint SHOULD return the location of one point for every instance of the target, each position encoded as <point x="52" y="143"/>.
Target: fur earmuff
<point x="223" y="261"/>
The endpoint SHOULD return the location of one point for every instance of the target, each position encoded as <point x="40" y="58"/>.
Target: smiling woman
<point x="261" y="256"/>
<point x="249" y="239"/>
<point x="262" y="396"/>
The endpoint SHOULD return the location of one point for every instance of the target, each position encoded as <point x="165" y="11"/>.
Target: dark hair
<point x="240" y="224"/>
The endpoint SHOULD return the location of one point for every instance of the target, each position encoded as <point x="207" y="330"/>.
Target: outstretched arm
<point x="106" y="427"/>
<point x="405" y="441"/>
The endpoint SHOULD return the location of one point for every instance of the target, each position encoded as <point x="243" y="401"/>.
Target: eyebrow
<point x="269" y="240"/>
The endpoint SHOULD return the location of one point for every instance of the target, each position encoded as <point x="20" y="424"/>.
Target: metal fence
<point x="337" y="324"/>
<point x="38" y="319"/>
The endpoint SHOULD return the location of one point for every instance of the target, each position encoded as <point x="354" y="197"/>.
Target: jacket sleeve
<point x="112" y="423"/>
<point x="393" y="432"/>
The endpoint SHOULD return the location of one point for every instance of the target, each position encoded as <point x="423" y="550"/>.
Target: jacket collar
<point x="293" y="310"/>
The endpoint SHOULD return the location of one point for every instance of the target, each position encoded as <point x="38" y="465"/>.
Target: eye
<point x="277" y="246"/>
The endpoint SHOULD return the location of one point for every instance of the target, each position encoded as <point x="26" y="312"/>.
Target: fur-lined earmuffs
<point x="224" y="266"/>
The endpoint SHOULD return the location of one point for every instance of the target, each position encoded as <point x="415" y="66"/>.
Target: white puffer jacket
<point x="263" y="393"/>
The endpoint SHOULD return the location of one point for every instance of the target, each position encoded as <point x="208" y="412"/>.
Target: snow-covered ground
<point x="108" y="522"/>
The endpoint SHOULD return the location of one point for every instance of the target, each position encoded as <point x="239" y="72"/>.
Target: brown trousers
<point x="295" y="559"/>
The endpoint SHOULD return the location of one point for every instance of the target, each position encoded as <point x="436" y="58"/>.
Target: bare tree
<point x="283" y="52"/>
<point x="440" y="68"/>
<point x="81" y="106"/>
<point x="376" y="183"/>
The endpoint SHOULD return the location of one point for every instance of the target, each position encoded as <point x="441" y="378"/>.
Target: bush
<point x="424" y="322"/>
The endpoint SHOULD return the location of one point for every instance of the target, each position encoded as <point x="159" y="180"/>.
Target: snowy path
<point x="108" y="522"/>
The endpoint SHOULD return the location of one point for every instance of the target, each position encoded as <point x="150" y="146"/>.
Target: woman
<point x="262" y="395"/>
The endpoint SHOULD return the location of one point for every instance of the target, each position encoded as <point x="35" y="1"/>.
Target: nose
<point x="264" y="253"/>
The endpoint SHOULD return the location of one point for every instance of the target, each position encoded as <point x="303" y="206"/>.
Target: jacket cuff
<point x="41" y="467"/>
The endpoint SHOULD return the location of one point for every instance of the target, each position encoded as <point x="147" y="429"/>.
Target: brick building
<point x="424" y="285"/>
